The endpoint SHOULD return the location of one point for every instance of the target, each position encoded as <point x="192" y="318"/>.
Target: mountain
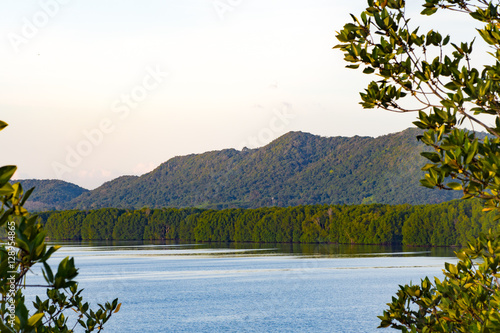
<point x="50" y="194"/>
<point x="295" y="169"/>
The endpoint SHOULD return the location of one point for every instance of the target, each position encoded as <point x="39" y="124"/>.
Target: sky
<point x="93" y="90"/>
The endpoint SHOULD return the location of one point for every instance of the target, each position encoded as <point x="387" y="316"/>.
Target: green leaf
<point x="429" y="11"/>
<point x="368" y="70"/>
<point x="34" y="319"/>
<point x="452" y="269"/>
<point x="428" y="166"/>
<point x="26" y="196"/>
<point x="452" y="86"/>
<point x="433" y="157"/>
<point x="4" y="328"/>
<point x="6" y="174"/>
<point x="427" y="183"/>
<point x="6" y="189"/>
<point x="48" y="272"/>
<point x="3" y="125"/>
<point x="455" y="186"/>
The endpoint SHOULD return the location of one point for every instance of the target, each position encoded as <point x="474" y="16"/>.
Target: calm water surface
<point x="247" y="287"/>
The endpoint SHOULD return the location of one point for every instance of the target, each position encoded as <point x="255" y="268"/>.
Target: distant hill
<point x="50" y="194"/>
<point x="296" y="169"/>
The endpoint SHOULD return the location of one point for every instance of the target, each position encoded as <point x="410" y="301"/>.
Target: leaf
<point x="26" y="196"/>
<point x="451" y="85"/>
<point x="6" y="189"/>
<point x="453" y="269"/>
<point x="429" y="11"/>
<point x="3" y="124"/>
<point x="368" y="70"/>
<point x="34" y="319"/>
<point x="433" y="157"/>
<point x="48" y="271"/>
<point x="6" y="173"/>
<point x="118" y="308"/>
<point x="428" y="166"/>
<point x="4" y="328"/>
<point x="455" y="186"/>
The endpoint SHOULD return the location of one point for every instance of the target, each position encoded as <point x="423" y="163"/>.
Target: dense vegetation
<point x="414" y="69"/>
<point x="50" y="194"/>
<point x="445" y="224"/>
<point x="295" y="169"/>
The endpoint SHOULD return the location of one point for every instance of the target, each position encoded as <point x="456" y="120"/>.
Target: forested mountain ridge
<point x="50" y="194"/>
<point x="295" y="169"/>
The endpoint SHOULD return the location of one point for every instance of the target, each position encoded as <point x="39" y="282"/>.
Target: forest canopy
<point x="450" y="223"/>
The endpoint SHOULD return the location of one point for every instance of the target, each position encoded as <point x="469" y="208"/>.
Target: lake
<point x="247" y="287"/>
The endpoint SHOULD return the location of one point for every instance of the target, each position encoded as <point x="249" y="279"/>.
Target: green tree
<point x="446" y="89"/>
<point x="26" y="248"/>
<point x="65" y="225"/>
<point x="99" y="224"/>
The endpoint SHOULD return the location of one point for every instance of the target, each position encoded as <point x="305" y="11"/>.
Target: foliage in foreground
<point x="62" y="308"/>
<point x="446" y="89"/>
<point x="467" y="300"/>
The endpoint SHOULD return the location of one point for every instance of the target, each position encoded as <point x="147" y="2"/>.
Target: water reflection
<point x="322" y="250"/>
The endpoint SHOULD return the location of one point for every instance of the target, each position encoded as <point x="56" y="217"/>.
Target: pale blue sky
<point x="240" y="73"/>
